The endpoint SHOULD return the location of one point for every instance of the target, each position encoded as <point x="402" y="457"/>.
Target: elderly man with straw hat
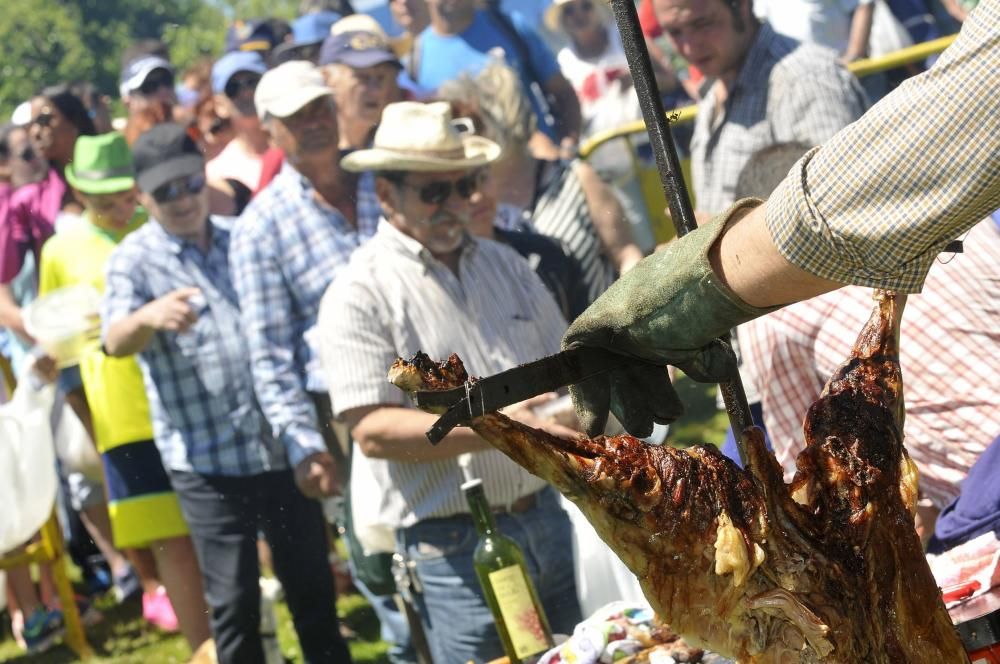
<point x="424" y="283"/>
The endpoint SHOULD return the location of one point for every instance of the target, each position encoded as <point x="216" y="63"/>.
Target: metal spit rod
<point x="671" y="178"/>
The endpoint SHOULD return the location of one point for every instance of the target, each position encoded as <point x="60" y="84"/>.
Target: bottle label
<point x="524" y="625"/>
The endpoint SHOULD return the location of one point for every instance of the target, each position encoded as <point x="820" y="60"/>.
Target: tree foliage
<point x="52" y="41"/>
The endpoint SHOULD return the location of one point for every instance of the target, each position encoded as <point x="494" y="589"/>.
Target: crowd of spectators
<point x="272" y="227"/>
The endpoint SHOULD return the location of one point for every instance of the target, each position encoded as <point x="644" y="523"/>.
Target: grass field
<point x="123" y="638"/>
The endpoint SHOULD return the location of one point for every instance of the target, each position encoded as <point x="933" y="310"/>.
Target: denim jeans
<point x="225" y="515"/>
<point x="457" y="620"/>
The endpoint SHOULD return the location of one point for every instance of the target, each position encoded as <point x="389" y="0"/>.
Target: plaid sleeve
<point x="264" y="303"/>
<point x="878" y="202"/>
<point x="124" y="288"/>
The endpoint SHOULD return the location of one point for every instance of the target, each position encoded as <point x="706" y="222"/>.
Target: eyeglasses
<point x="572" y="8"/>
<point x="178" y="189"/>
<point x="438" y="191"/>
<point x="218" y="126"/>
<point x="234" y="86"/>
<point x="156" y="80"/>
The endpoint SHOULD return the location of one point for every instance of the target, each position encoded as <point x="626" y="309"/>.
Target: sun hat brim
<point x="478" y="151"/>
<point x="553" y="15"/>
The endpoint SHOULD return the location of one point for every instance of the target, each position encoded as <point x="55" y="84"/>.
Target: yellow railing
<point x="646" y="174"/>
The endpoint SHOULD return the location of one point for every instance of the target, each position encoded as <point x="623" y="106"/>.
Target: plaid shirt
<point x="205" y="417"/>
<point x="949" y="352"/>
<point x="876" y="204"/>
<point x="785" y="93"/>
<point x="287" y="247"/>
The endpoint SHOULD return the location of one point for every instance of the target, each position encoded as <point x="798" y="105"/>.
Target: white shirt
<point x="394" y="299"/>
<point x="823" y="22"/>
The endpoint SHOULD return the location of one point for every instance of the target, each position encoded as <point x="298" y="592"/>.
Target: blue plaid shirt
<point x="206" y="419"/>
<point x="287" y="248"/>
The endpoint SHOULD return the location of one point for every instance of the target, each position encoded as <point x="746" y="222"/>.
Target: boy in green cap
<point x="142" y="506"/>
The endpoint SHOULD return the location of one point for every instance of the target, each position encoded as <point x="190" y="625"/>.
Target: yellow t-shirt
<point x="114" y="386"/>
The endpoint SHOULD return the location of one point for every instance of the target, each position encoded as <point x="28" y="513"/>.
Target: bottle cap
<point x="468" y="485"/>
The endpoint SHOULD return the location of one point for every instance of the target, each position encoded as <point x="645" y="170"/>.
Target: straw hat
<point x="553" y="13"/>
<point x="421" y="137"/>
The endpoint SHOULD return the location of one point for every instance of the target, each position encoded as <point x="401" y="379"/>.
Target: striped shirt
<point x="876" y="204"/>
<point x="206" y="419"/>
<point x="287" y="248"/>
<point x="561" y="212"/>
<point x="949" y="352"/>
<point x="786" y="92"/>
<point x="395" y="299"/>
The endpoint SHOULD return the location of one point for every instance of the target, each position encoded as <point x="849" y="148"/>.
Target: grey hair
<point x="498" y="94"/>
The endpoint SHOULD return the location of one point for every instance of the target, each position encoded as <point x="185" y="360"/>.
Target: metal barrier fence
<point x="642" y="173"/>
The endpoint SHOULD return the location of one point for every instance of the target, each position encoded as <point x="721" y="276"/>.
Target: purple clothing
<point x="976" y="511"/>
<point x="29" y="222"/>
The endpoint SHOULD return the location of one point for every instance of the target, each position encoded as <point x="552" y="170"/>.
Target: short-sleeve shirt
<point x="786" y="92"/>
<point x="444" y="57"/>
<point x="29" y="222"/>
<point x="394" y="299"/>
<point x="114" y="386"/>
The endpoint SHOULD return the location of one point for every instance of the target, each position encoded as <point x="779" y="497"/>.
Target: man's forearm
<point x="128" y="336"/>
<point x="746" y="259"/>
<point x="861" y="30"/>
<point x="399" y="434"/>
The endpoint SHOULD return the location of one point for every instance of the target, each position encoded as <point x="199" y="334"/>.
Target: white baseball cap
<point x="284" y="90"/>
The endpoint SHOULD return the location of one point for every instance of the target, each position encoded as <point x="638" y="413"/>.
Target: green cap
<point x="101" y="165"/>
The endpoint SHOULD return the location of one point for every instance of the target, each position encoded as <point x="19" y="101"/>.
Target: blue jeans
<point x="458" y="623"/>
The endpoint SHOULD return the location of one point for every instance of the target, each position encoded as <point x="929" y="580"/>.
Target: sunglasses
<point x="572" y="8"/>
<point x="155" y="81"/>
<point x="218" y="126"/>
<point x="178" y="189"/>
<point x="44" y="119"/>
<point x="235" y="86"/>
<point x="438" y="191"/>
<point x="27" y="154"/>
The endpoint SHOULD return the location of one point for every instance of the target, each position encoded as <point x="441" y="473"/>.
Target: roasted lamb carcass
<point x="828" y="569"/>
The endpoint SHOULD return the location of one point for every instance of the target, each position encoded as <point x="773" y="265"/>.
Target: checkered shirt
<point x="287" y="247"/>
<point x="786" y="92"/>
<point x="949" y="353"/>
<point x="877" y="203"/>
<point x="206" y="419"/>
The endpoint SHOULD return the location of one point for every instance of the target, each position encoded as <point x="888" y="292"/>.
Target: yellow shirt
<point x="114" y="386"/>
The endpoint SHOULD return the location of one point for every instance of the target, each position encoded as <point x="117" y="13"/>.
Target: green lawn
<point x="123" y="637"/>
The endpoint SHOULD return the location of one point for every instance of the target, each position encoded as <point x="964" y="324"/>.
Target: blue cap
<point x="252" y="35"/>
<point x="357" y="49"/>
<point x="314" y="27"/>
<point x="231" y="63"/>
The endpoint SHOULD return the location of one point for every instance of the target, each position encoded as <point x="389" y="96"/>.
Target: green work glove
<point x="669" y="309"/>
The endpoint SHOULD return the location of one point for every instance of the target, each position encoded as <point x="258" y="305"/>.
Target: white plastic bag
<point x="75" y="449"/>
<point x="27" y="464"/>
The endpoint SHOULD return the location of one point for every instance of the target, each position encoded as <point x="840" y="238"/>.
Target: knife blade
<point x="478" y="397"/>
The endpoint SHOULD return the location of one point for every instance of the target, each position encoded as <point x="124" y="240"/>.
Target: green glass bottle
<point x="510" y="594"/>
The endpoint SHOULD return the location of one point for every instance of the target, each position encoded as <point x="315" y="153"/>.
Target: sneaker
<point x="126" y="586"/>
<point x="158" y="611"/>
<point x="42" y="630"/>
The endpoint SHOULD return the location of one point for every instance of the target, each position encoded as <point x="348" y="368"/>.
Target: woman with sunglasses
<point x="58" y="118"/>
<point x="564" y="200"/>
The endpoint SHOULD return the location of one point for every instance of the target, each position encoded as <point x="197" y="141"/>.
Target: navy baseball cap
<point x="231" y="63"/>
<point x="357" y="49"/>
<point x="135" y="72"/>
<point x="251" y="35"/>
<point x="314" y="27"/>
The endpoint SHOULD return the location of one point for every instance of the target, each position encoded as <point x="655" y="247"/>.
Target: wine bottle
<point x="510" y="594"/>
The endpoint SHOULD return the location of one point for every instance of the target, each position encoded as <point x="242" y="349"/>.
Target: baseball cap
<point x="284" y="90"/>
<point x="314" y="27"/>
<point x="136" y="71"/>
<point x="163" y="153"/>
<point x="357" y="49"/>
<point x="233" y="62"/>
<point x="255" y="34"/>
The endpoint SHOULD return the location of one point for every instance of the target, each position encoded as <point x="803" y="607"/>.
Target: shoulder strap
<point x="413" y="66"/>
